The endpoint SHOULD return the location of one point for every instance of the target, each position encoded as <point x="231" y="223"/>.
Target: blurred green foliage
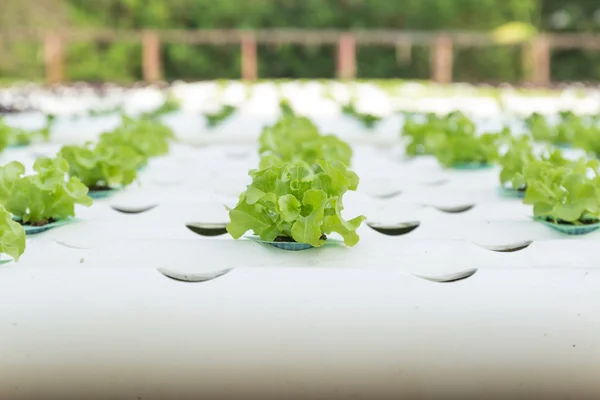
<point x="122" y="62"/>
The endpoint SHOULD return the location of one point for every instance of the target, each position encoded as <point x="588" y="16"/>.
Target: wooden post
<point x="151" y="68"/>
<point x="53" y="57"/>
<point x="540" y="51"/>
<point x="403" y="51"/>
<point x="442" y="59"/>
<point x="346" y="63"/>
<point x="249" y="60"/>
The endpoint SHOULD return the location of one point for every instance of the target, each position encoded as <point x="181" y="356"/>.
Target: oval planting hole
<point x="70" y="246"/>
<point x="455" y="209"/>
<point x="452" y="277"/>
<point x="133" y="209"/>
<point x="508" y="248"/>
<point x="394" y="229"/>
<point x="207" y="229"/>
<point x="192" y="277"/>
<point x="389" y="195"/>
<point x="438" y="182"/>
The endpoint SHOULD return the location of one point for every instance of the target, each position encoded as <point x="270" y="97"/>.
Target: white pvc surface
<point x="86" y="313"/>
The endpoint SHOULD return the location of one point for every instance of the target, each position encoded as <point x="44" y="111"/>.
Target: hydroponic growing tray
<point x="463" y="295"/>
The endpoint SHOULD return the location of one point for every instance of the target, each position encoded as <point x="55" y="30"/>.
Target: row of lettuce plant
<point x="47" y="198"/>
<point x="571" y="130"/>
<point x="113" y="162"/>
<point x="367" y="120"/>
<point x="564" y="194"/>
<point x="296" y="196"/>
<point x="453" y="140"/>
<point x="11" y="136"/>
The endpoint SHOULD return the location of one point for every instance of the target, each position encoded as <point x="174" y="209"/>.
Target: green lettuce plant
<point x="367" y="120"/>
<point x="566" y="132"/>
<point x="216" y="118"/>
<point x="12" y="235"/>
<point x="13" y="136"/>
<point x="148" y="137"/>
<point x="588" y="139"/>
<point x="46" y="196"/>
<point x="519" y="154"/>
<point x="568" y="194"/>
<point x="295" y="202"/>
<point x="102" y="166"/>
<point x="423" y="137"/>
<point x="170" y="105"/>
<point x="463" y="148"/>
<point x="295" y="138"/>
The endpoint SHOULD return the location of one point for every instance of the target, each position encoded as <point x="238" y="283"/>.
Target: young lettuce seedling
<point x="216" y="118"/>
<point x="295" y="202"/>
<point x="567" y="194"/>
<point x="148" y="137"/>
<point x="103" y="167"/>
<point x="43" y="197"/>
<point x="367" y="120"/>
<point x="298" y="139"/>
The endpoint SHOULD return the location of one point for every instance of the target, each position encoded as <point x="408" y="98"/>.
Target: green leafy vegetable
<point x="12" y="236"/>
<point x="102" y="166"/>
<point x="12" y="136"/>
<point x="566" y="132"/>
<point x="514" y="161"/>
<point x="589" y="140"/>
<point x="216" y="118"/>
<point x="367" y="120"/>
<point x="149" y="138"/>
<point x="286" y="108"/>
<point x="564" y="194"/>
<point x="295" y="138"/>
<point x="466" y="148"/>
<point x="424" y="136"/>
<point x="293" y="200"/>
<point x="44" y="196"/>
<point x="171" y="104"/>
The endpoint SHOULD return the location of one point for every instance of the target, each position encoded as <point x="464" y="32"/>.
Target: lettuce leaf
<point x="12" y="236"/>
<point x="367" y="120"/>
<point x="514" y="161"/>
<point x="214" y="119"/>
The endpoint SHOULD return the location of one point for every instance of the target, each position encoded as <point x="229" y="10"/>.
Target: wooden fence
<point x="536" y="51"/>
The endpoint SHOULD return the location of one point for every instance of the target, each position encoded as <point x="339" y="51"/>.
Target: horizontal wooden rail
<point x="443" y="44"/>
